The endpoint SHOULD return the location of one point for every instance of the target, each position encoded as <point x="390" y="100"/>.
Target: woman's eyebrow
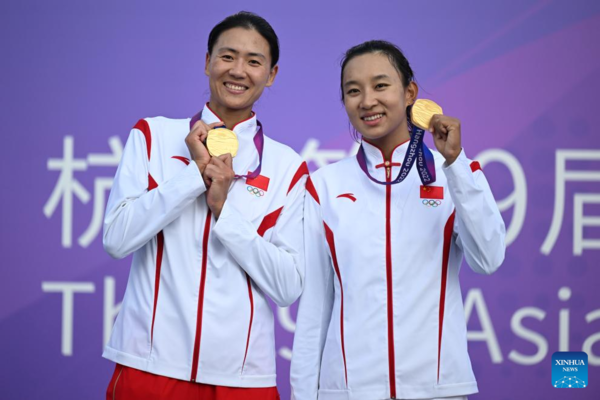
<point x="379" y="77"/>
<point x="257" y="55"/>
<point x="375" y="78"/>
<point x="228" y="49"/>
<point x="236" y="52"/>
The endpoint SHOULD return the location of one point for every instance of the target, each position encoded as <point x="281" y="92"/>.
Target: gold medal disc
<point x="222" y="141"/>
<point x="422" y="112"/>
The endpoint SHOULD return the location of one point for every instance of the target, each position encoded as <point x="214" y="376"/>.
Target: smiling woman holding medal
<point x="212" y="210"/>
<point x="381" y="314"/>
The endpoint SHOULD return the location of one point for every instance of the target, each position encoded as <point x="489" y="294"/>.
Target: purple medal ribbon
<point x="259" y="142"/>
<point x="417" y="151"/>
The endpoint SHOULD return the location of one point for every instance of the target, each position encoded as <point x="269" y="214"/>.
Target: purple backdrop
<point x="524" y="78"/>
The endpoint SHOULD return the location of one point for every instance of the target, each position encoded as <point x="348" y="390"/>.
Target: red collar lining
<point x="252" y="115"/>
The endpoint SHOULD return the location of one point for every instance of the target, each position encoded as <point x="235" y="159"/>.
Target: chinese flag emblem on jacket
<point x="432" y="192"/>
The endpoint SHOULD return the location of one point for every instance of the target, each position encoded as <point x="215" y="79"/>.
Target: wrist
<point x="450" y="158"/>
<point x="201" y="165"/>
<point x="216" y="209"/>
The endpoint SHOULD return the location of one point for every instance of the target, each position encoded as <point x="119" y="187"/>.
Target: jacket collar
<point x="245" y="127"/>
<point x="376" y="162"/>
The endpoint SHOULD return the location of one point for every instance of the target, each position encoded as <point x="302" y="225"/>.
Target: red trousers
<point x="133" y="384"/>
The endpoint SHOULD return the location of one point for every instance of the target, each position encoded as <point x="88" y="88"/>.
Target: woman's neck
<point x="229" y="116"/>
<point x="388" y="143"/>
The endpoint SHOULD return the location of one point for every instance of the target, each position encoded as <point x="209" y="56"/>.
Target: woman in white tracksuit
<point x="212" y="237"/>
<point x="381" y="315"/>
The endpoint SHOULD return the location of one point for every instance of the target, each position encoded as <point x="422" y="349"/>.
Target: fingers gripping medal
<point x="221" y="141"/>
<point x="419" y="117"/>
<point x="422" y="112"/>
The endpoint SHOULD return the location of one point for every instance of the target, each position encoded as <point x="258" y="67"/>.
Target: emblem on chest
<point x="257" y="186"/>
<point x="431" y="196"/>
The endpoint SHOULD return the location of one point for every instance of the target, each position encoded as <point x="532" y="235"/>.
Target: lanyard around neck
<point x="417" y="151"/>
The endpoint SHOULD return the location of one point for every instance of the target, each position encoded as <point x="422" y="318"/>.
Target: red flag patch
<point x="432" y="192"/>
<point x="260" y="182"/>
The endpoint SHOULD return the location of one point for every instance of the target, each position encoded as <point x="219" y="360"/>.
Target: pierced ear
<point x="272" y="75"/>
<point x="206" y="63"/>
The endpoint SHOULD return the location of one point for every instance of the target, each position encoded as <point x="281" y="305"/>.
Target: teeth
<point x="373" y="117"/>
<point x="235" y="87"/>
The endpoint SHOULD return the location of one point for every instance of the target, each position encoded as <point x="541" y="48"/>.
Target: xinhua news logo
<point x="570" y="370"/>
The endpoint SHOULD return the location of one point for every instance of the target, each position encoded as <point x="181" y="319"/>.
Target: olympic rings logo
<point x="255" y="191"/>
<point x="432" y="203"/>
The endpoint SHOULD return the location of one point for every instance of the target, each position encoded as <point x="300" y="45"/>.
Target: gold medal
<point x="422" y="112"/>
<point x="222" y="141"/>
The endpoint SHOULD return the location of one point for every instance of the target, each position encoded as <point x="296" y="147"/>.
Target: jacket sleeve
<point x="316" y="303"/>
<point x="275" y="265"/>
<point x="136" y="213"/>
<point x="479" y="226"/>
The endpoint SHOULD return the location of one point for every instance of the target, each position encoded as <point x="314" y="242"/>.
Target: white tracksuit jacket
<point x="381" y="314"/>
<point x="195" y="306"/>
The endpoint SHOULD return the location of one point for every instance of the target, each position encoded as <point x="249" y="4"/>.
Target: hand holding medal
<point x="195" y="143"/>
<point x="221" y="141"/>
<point x="427" y="115"/>
<point x="225" y="141"/>
<point x="221" y="146"/>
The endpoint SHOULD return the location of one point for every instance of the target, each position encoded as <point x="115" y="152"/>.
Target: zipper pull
<point x="387" y="169"/>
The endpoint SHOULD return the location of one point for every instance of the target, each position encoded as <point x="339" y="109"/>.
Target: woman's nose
<point x="237" y="70"/>
<point x="369" y="100"/>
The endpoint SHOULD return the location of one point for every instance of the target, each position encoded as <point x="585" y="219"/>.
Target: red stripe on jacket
<point x="269" y="221"/>
<point x="160" y="242"/>
<point x="143" y="126"/>
<point x="331" y="243"/>
<point x="302" y="170"/>
<point x="251" y="298"/>
<point x="184" y="160"/>
<point x="310" y="187"/>
<point x="197" y="340"/>
<point x="448" y="229"/>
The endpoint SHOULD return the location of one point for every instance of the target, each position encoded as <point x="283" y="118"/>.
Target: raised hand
<point x="195" y="142"/>
<point x="446" y="136"/>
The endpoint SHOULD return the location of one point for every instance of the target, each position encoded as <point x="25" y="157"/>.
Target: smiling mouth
<point x="234" y="87"/>
<point x="372" y="117"/>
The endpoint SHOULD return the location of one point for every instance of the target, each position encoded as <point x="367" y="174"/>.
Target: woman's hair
<point x="247" y="20"/>
<point x="393" y="53"/>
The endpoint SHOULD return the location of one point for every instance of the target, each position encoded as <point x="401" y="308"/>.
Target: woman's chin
<point x="373" y="136"/>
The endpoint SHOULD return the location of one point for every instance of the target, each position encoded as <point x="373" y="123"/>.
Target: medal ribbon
<point x="259" y="142"/>
<point x="417" y="151"/>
